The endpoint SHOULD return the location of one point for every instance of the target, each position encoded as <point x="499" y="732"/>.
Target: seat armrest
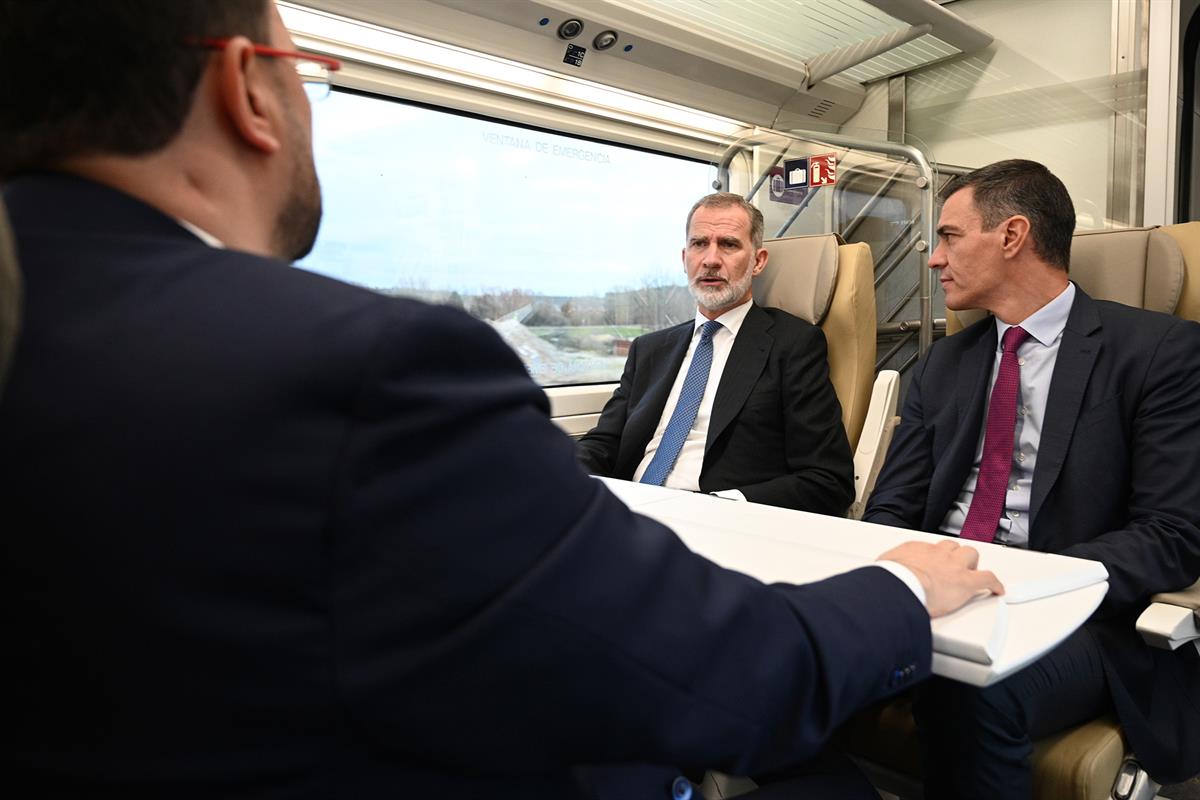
<point x="875" y="438"/>
<point x="1173" y="619"/>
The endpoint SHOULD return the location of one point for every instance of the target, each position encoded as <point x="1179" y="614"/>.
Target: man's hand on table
<point x="947" y="573"/>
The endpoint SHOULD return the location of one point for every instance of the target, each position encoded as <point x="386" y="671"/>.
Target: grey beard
<point x="714" y="299"/>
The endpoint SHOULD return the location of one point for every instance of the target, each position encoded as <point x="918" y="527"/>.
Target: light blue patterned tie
<point x="684" y="415"/>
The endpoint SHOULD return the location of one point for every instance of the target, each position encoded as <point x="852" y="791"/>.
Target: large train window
<point x="568" y="247"/>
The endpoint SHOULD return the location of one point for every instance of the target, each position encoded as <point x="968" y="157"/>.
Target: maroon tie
<point x="992" y="486"/>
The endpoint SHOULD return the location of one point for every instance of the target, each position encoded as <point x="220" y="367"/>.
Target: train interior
<point x="528" y="162"/>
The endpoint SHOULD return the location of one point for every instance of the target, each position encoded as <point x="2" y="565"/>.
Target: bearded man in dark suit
<point x="736" y="402"/>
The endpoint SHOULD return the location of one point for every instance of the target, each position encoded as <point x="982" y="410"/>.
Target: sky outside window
<point x="532" y="231"/>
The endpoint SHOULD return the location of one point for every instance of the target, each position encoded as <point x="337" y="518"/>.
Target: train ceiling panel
<point x="805" y="30"/>
<point x="781" y="63"/>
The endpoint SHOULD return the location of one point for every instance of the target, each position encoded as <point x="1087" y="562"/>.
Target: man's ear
<point x="760" y="261"/>
<point x="242" y="85"/>
<point x="1015" y="231"/>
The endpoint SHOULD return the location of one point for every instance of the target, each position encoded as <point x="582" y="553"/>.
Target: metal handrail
<point x="951" y="169"/>
<point x="925" y="182"/>
<point x="909" y="326"/>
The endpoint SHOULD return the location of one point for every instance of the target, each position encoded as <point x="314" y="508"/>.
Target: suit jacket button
<point x="681" y="789"/>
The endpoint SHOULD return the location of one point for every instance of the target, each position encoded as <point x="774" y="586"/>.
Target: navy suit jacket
<point x="775" y="431"/>
<point x="271" y="535"/>
<point x="1117" y="480"/>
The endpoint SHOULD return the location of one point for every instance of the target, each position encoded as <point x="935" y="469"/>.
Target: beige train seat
<point x="10" y="295"/>
<point x="831" y="284"/>
<point x="1153" y="268"/>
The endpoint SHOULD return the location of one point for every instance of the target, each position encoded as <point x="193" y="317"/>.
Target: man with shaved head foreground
<point x="271" y="535"/>
<point x="1064" y="424"/>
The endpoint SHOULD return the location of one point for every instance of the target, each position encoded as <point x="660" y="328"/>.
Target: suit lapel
<point x="663" y="363"/>
<point x="1072" y="369"/>
<point x="973" y="377"/>
<point x="970" y="399"/>
<point x="746" y="361"/>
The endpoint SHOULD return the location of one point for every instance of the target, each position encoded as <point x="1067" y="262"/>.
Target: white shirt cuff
<point x="731" y="494"/>
<point x="905" y="574"/>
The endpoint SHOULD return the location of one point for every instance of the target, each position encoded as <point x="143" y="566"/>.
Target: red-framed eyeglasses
<point x="313" y="70"/>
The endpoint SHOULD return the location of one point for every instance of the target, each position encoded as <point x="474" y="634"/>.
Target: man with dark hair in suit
<point x="1063" y="424"/>
<point x="271" y="535"/>
<point x="736" y="402"/>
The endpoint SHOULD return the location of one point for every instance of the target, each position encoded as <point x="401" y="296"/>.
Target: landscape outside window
<point x="568" y="247"/>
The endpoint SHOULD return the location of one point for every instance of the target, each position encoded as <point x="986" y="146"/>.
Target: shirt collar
<point x="202" y="234"/>
<point x="1047" y="323"/>
<point x="731" y="320"/>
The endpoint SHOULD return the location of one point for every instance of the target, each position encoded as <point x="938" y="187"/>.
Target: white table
<point x="1047" y="596"/>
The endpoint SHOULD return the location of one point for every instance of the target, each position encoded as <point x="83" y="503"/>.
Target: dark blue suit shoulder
<point x="1120" y="314"/>
<point x="788" y="321"/>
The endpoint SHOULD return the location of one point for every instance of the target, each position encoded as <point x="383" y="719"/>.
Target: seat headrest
<point x="1140" y="267"/>
<point x="1187" y="236"/>
<point x="800" y="275"/>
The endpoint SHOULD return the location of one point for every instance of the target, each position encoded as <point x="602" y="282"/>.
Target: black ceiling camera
<point x="604" y="40"/>
<point x="570" y="29"/>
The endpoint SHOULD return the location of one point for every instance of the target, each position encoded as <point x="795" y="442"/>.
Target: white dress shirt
<point x="1036" y="357"/>
<point x="202" y="234"/>
<point x="686" y="473"/>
